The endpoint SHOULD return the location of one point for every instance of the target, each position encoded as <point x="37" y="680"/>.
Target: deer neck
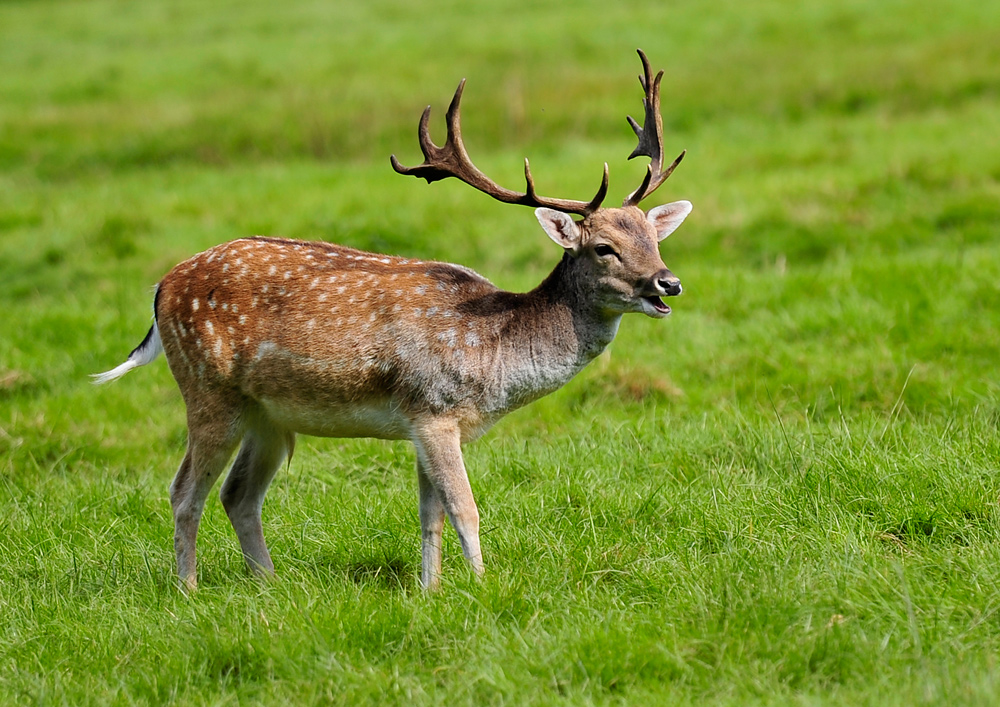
<point x="568" y="298"/>
<point x="550" y="334"/>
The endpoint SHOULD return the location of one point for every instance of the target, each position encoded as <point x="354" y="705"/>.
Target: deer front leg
<point x="439" y="462"/>
<point x="431" y="525"/>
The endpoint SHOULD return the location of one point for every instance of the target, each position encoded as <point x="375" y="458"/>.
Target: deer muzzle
<point x="663" y="284"/>
<point x="667" y="284"/>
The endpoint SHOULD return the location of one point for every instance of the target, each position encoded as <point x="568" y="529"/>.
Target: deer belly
<point x="379" y="419"/>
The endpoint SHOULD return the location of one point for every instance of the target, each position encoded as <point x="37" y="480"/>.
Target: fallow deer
<point x="268" y="338"/>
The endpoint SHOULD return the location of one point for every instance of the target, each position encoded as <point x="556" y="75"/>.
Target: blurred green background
<point x="811" y="435"/>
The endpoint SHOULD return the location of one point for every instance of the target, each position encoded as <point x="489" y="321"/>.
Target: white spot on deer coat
<point x="448" y="337"/>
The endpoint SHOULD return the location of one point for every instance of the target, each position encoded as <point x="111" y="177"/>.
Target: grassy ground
<point x="786" y="493"/>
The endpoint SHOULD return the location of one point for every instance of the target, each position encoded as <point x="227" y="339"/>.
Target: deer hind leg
<point x="439" y="454"/>
<point x="212" y="436"/>
<point x="243" y="491"/>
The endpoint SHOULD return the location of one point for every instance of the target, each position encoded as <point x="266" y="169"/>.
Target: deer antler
<point x="452" y="160"/>
<point x="650" y="137"/>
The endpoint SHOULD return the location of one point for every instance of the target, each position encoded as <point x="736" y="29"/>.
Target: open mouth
<point x="657" y="304"/>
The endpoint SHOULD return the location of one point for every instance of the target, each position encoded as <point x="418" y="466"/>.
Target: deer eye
<point x="602" y="249"/>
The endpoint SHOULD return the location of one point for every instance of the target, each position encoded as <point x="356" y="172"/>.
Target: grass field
<point x="785" y="493"/>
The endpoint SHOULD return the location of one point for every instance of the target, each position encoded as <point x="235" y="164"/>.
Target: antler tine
<point x="645" y="189"/>
<point x="439" y="162"/>
<point x="648" y="146"/>
<point x="650" y="136"/>
<point x="566" y="205"/>
<point x="452" y="160"/>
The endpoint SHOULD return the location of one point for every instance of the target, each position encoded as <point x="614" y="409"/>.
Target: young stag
<point x="269" y="337"/>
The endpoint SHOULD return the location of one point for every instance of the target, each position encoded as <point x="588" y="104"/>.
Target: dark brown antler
<point x="452" y="160"/>
<point x="650" y="137"/>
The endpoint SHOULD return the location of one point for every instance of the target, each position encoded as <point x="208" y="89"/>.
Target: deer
<point x="268" y="338"/>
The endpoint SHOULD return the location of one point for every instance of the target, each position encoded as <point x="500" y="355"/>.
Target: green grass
<point x="786" y="493"/>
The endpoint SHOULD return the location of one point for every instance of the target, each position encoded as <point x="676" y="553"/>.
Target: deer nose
<point x="668" y="283"/>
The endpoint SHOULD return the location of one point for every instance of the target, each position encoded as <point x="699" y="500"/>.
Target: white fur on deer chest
<point x="540" y="364"/>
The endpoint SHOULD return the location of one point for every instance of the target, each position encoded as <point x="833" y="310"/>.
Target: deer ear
<point x="560" y="227"/>
<point x="665" y="219"/>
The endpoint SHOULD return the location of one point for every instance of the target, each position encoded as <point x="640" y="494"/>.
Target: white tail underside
<point x="144" y="353"/>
